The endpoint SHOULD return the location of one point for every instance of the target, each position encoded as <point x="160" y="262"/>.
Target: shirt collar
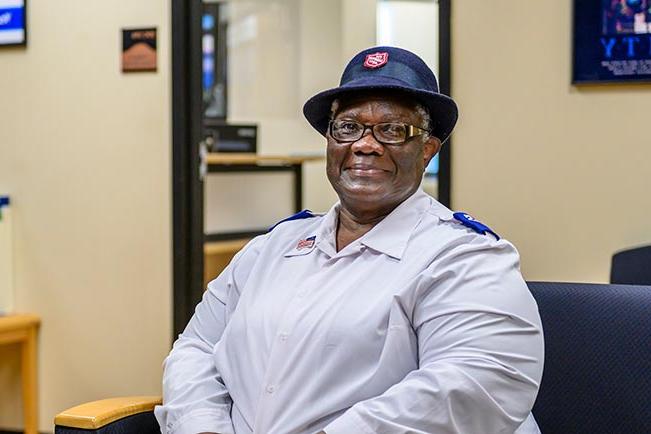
<point x="390" y="236"/>
<point x="326" y="234"/>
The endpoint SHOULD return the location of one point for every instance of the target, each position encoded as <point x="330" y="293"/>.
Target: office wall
<point x="561" y="171"/>
<point x="85" y="154"/>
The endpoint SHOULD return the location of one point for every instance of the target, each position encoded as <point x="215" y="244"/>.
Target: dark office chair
<point x="632" y="266"/>
<point x="597" y="376"/>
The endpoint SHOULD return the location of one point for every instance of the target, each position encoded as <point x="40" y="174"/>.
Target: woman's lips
<point x="365" y="170"/>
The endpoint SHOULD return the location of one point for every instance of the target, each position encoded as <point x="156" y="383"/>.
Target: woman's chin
<point x="363" y="192"/>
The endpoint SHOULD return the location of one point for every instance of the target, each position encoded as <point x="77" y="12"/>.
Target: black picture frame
<point x="22" y="43"/>
<point x="611" y="41"/>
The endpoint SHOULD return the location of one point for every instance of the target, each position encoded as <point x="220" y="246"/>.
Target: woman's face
<point x="370" y="176"/>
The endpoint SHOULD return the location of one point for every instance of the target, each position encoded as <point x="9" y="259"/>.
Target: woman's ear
<point x="431" y="147"/>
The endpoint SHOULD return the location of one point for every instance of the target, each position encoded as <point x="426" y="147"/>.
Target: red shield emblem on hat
<point x="376" y="60"/>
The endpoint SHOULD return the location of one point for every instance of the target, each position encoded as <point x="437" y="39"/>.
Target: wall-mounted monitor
<point x="13" y="22"/>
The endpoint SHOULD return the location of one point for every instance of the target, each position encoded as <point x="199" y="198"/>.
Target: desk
<point x="22" y="329"/>
<point x="244" y="159"/>
<point x="221" y="162"/>
<point x="219" y="248"/>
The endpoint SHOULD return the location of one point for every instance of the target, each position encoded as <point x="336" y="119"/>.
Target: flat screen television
<point x="13" y="22"/>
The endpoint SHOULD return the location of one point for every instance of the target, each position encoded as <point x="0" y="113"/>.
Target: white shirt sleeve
<point x="195" y="398"/>
<point x="480" y="351"/>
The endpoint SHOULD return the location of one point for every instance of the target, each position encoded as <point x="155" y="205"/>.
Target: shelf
<point x="224" y="247"/>
<point x="247" y="159"/>
<point x="18" y="321"/>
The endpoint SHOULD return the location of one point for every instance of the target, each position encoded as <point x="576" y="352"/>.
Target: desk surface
<point x="18" y="321"/>
<point x="247" y="158"/>
<point x="224" y="247"/>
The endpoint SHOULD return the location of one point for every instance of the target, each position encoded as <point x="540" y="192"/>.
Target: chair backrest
<point x="632" y="267"/>
<point x="597" y="376"/>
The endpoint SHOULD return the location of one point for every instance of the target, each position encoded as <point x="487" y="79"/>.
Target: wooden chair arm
<point x="96" y="414"/>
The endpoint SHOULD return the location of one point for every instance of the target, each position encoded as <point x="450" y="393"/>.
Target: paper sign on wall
<point x="139" y="50"/>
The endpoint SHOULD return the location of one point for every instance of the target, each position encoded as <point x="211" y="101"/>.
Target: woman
<point x="388" y="314"/>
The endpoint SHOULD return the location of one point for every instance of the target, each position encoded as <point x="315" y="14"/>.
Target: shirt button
<point x="270" y="389"/>
<point x="300" y="294"/>
<point x="283" y="337"/>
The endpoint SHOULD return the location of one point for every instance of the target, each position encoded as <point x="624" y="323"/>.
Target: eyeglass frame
<point x="408" y="127"/>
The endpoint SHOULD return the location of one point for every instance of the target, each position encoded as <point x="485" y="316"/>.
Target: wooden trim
<point x="245" y="158"/>
<point x="222" y="247"/>
<point x="4" y="431"/>
<point x="29" y="380"/>
<point x="13" y="336"/>
<point x="18" y="321"/>
<point x="96" y="414"/>
<point x="16" y="328"/>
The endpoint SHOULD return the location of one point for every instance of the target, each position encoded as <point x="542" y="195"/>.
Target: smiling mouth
<point x="364" y="170"/>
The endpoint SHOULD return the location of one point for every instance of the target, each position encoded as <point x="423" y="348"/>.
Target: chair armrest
<point x="96" y="414"/>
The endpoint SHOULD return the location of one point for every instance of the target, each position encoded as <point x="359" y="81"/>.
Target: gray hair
<point x="420" y="109"/>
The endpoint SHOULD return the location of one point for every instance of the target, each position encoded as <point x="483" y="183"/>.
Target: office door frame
<point x="187" y="188"/>
<point x="445" y="86"/>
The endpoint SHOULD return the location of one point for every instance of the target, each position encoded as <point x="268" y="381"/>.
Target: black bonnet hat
<point x="390" y="68"/>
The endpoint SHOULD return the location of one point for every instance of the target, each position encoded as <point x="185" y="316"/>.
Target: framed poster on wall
<point x="612" y="41"/>
<point x="13" y="22"/>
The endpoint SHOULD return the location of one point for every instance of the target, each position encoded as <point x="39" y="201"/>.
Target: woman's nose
<point x="367" y="144"/>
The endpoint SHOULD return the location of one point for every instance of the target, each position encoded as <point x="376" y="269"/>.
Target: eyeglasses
<point x="393" y="133"/>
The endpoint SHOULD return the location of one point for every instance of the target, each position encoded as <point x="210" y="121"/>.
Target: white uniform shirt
<point x="420" y="326"/>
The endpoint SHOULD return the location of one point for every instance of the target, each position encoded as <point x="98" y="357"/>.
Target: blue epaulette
<point x="475" y="225"/>
<point x="305" y="214"/>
